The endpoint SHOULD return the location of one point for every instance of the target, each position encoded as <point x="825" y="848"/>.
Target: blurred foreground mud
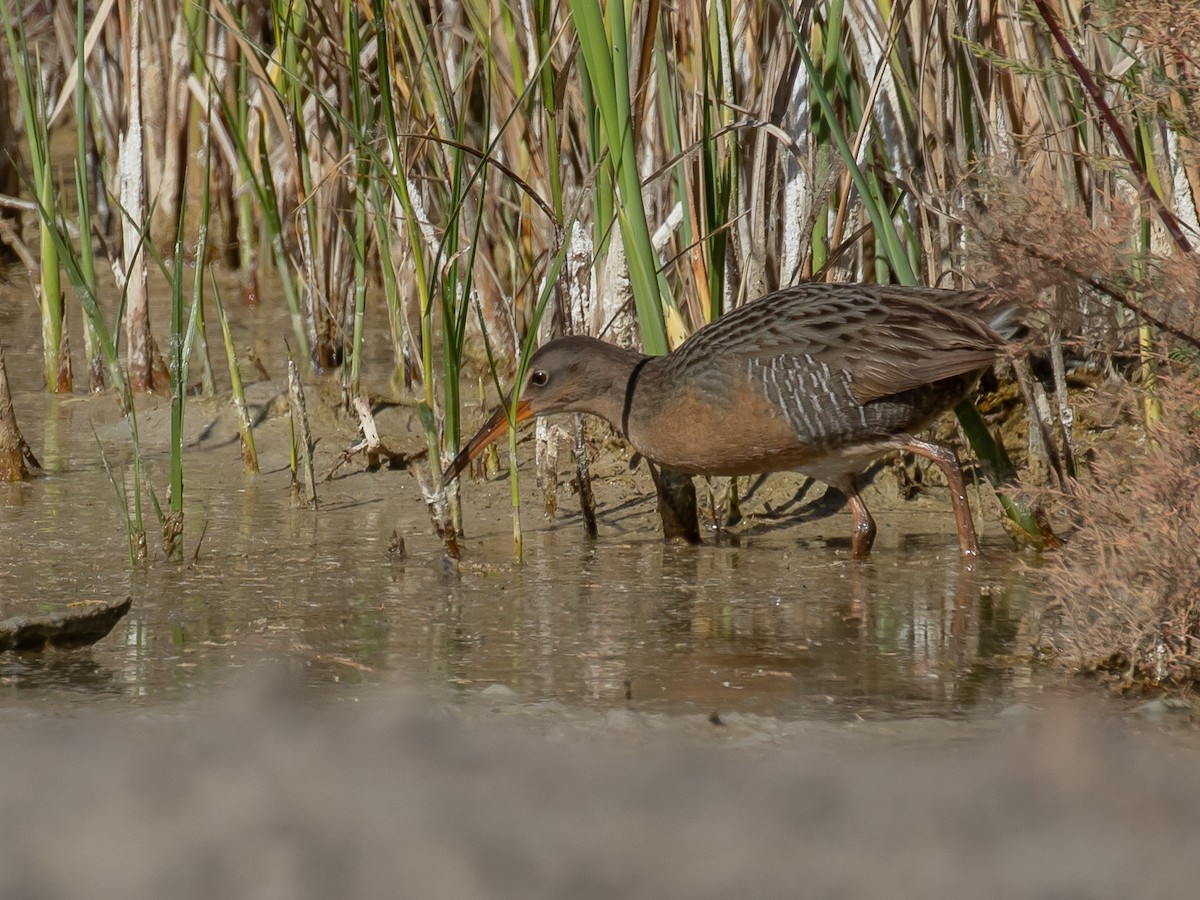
<point x="264" y="794"/>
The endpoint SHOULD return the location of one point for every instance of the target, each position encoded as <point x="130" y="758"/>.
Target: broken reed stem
<point x="583" y="479"/>
<point x="370" y="430"/>
<point x="299" y="417"/>
<point x="491" y="460"/>
<point x="436" y="495"/>
<point x="14" y="452"/>
<point x="545" y="464"/>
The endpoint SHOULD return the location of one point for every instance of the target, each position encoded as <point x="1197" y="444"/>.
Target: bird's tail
<point x="1007" y="320"/>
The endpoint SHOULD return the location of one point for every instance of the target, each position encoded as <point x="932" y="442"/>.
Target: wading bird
<point x="819" y="378"/>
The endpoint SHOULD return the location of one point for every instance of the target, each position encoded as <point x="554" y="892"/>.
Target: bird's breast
<point x="720" y="426"/>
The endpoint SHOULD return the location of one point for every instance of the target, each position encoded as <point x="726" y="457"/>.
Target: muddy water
<point x="771" y="620"/>
<point x="767" y="627"/>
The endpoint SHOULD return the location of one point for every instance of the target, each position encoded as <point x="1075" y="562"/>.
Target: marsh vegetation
<point x="457" y="181"/>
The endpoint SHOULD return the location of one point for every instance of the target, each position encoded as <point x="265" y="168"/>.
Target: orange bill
<point x="492" y="429"/>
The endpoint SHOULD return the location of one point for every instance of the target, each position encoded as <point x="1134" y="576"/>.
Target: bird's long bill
<point x="495" y="426"/>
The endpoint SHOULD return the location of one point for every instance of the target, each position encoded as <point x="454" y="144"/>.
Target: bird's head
<point x="570" y="374"/>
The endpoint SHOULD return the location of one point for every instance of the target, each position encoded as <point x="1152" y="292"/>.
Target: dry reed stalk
<point x="165" y="102"/>
<point x="145" y="372"/>
<point x="304" y="481"/>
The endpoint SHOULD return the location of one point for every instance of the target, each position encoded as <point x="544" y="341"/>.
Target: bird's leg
<point x="864" y="525"/>
<point x="676" y="504"/>
<point x="947" y="460"/>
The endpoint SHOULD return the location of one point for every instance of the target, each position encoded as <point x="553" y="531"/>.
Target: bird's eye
<point x="539" y="377"/>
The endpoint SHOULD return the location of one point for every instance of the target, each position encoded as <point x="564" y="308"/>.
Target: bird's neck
<point x="622" y="385"/>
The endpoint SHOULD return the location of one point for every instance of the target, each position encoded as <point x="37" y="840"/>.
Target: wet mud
<point x="269" y="792"/>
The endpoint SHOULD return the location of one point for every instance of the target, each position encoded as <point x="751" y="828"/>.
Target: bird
<point x="820" y="378"/>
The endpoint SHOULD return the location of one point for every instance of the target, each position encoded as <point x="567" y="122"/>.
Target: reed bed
<point x="487" y="174"/>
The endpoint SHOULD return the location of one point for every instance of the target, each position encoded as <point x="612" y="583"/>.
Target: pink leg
<point x="864" y="526"/>
<point x="947" y="460"/>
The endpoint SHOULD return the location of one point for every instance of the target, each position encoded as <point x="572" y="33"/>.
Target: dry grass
<point x="1128" y="582"/>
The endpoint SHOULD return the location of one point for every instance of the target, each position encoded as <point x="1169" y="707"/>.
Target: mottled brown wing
<point x="919" y="341"/>
<point x="888" y="339"/>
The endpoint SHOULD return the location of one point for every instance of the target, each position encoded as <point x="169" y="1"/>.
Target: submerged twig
<point x="199" y="544"/>
<point x="371" y="446"/>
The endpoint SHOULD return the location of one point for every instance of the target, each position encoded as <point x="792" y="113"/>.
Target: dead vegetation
<point x="1128" y="583"/>
<point x="1120" y="327"/>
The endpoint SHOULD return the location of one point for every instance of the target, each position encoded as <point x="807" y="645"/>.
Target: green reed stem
<point x="290" y="21"/>
<point x="397" y="326"/>
<point x="196" y="334"/>
<point x="269" y="204"/>
<point x="527" y="348"/>
<point x="55" y="368"/>
<point x="245" y="427"/>
<point x="247" y="231"/>
<point x="301" y="443"/>
<point x="826" y="45"/>
<point x="874" y="204"/>
<point x="543" y="13"/>
<point x="670" y="103"/>
<point x="122" y="495"/>
<point x="604" y="42"/>
<point x="719" y="171"/>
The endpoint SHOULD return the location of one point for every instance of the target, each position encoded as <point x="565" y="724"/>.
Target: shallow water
<point x="767" y="627"/>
